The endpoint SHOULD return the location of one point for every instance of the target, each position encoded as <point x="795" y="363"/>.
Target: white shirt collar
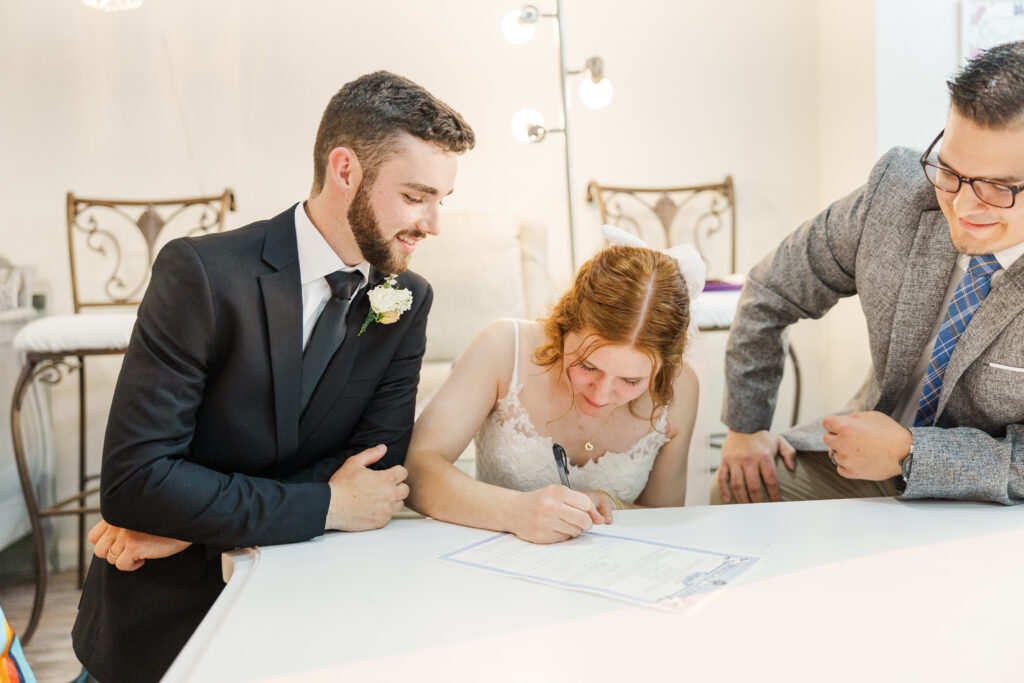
<point x="1006" y="257"/>
<point x="316" y="258"/>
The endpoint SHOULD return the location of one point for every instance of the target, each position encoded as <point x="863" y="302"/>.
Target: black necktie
<point x="329" y="331"/>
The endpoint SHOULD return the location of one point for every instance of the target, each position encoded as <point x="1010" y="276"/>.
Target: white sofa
<point x="482" y="267"/>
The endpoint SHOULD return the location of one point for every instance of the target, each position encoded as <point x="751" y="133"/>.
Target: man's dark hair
<point x="989" y="90"/>
<point x="368" y="114"/>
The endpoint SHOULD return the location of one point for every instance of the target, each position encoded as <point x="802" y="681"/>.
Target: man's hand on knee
<point x="748" y="463"/>
<point x="362" y="498"/>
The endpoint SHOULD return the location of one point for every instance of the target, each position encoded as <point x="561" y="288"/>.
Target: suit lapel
<point x="282" y="303"/>
<point x="331" y="387"/>
<point x="1003" y="304"/>
<point x="930" y="263"/>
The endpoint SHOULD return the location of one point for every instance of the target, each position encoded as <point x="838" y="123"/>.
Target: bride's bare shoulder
<point x="496" y="339"/>
<point x="686" y="380"/>
<point x="685" y="396"/>
<point x="531" y="333"/>
<point x="532" y="336"/>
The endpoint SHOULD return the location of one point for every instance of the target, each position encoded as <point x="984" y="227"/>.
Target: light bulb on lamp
<point x="595" y="89"/>
<point x="519" y="25"/>
<point x="528" y="126"/>
<point x="596" y="95"/>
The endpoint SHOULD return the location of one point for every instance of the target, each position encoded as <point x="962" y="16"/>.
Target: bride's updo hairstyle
<point x="626" y="296"/>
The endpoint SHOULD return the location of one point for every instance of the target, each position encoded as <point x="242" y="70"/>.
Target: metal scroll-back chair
<point x="112" y="245"/>
<point x="696" y="214"/>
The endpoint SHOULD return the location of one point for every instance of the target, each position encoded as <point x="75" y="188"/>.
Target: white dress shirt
<point x="316" y="260"/>
<point x="906" y="407"/>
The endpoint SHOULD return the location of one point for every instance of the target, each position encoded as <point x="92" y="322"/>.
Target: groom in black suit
<point x="263" y="400"/>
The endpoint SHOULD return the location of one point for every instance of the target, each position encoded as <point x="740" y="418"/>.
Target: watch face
<point x="905" y="466"/>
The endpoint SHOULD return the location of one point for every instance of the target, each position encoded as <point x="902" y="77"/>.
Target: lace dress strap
<point x="515" y="358"/>
<point x="661" y="424"/>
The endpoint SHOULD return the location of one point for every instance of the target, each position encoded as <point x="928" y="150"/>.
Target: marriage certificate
<point x="649" y="573"/>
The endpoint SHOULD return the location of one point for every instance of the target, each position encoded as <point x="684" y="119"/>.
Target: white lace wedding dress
<point x="510" y="453"/>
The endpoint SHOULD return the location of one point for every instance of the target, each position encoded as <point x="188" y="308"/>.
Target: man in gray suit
<point x="932" y="246"/>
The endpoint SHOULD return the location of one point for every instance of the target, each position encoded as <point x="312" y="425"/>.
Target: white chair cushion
<point x="716" y="305"/>
<point x="76" y="331"/>
<point x="715" y="309"/>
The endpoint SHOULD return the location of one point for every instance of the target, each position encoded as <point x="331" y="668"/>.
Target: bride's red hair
<point x="626" y="296"/>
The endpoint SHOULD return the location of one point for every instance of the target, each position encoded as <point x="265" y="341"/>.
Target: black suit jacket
<point x="205" y="441"/>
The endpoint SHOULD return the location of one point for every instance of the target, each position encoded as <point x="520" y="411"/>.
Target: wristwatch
<point x="906" y="462"/>
<point x="900" y="482"/>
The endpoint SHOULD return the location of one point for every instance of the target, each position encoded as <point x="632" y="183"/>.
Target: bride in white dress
<point x="604" y="377"/>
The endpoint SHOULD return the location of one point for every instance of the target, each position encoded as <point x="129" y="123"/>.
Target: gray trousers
<point x="815" y="478"/>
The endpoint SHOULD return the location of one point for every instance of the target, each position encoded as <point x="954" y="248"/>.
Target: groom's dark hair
<point x="989" y="90"/>
<point x="368" y="114"/>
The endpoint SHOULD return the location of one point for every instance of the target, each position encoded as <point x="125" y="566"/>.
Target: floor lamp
<point x="595" y="91"/>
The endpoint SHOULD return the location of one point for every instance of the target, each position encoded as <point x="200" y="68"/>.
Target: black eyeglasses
<point x="999" y="195"/>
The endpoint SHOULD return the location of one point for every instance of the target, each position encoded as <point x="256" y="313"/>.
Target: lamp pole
<point x="562" y="74"/>
<point x="528" y="125"/>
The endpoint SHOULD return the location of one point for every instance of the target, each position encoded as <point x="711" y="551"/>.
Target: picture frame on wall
<point x="987" y="23"/>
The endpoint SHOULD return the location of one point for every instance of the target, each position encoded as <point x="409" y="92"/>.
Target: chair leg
<point x="83" y="478"/>
<point x="39" y="542"/>
<point x="796" y="386"/>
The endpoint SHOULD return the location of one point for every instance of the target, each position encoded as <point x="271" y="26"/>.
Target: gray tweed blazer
<point x="889" y="243"/>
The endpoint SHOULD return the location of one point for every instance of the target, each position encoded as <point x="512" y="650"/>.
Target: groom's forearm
<point x="186" y="501"/>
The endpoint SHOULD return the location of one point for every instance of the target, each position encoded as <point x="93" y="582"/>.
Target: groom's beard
<point x="376" y="248"/>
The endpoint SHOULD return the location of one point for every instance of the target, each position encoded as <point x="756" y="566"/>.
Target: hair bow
<point x="690" y="262"/>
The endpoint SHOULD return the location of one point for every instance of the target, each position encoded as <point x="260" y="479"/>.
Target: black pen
<point x="562" y="463"/>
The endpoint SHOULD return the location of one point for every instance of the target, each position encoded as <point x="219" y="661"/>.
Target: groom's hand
<point x="748" y="461"/>
<point x="128" y="550"/>
<point x="362" y="498"/>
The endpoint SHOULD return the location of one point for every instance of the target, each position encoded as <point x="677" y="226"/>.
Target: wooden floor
<point x="49" y="654"/>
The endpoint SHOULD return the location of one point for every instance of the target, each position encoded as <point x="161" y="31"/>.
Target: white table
<point x="853" y="590"/>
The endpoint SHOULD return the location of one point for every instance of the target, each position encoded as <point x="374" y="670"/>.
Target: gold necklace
<point x="588" y="444"/>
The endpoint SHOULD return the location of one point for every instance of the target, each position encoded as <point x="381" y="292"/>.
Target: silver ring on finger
<point x="832" y="457"/>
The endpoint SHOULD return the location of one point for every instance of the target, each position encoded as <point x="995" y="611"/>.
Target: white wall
<point x="835" y="348"/>
<point x="702" y="90"/>
<point x="185" y="96"/>
<point x="883" y="84"/>
<point x="917" y="49"/>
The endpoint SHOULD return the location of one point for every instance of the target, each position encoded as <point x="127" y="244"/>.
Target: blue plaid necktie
<point x="969" y="294"/>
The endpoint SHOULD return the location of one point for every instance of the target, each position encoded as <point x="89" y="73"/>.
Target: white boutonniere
<point x="387" y="304"/>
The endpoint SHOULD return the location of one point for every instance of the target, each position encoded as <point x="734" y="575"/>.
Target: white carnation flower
<point x="387" y="304"/>
<point x="386" y="300"/>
